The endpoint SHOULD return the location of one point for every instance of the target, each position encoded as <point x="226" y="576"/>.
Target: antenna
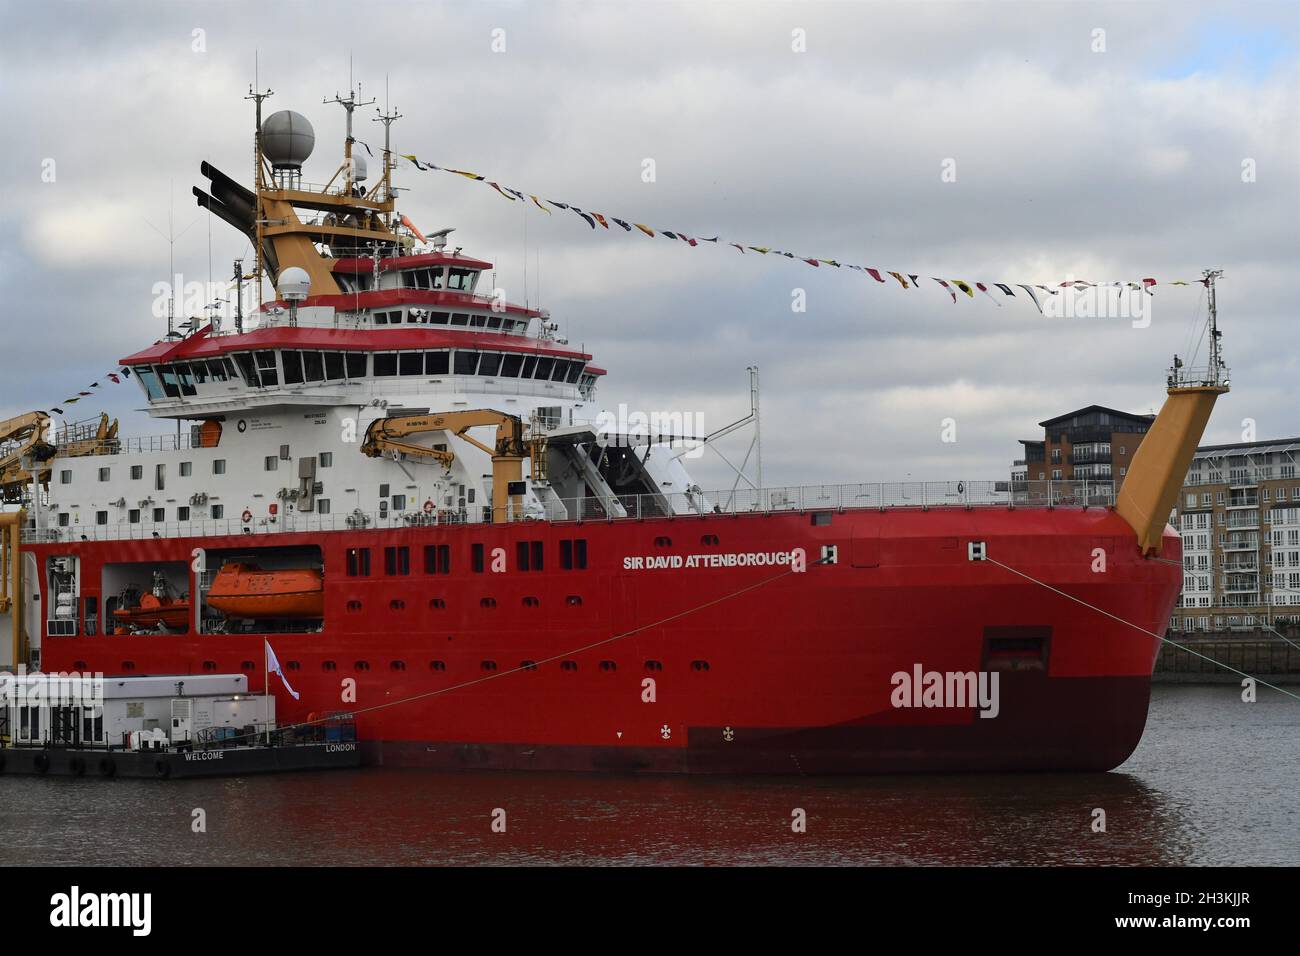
<point x="239" y="295"/>
<point x="259" y="181"/>
<point x="1216" y="354"/>
<point x="349" y="104"/>
<point x="387" y="119"/>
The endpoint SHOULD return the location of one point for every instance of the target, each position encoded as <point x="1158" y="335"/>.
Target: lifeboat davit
<point x="247" y="591"/>
<point x="154" y="611"/>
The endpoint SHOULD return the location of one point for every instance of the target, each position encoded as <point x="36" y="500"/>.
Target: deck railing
<point x="799" y="498"/>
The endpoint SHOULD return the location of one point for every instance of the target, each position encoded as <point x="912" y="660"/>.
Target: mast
<point x="387" y="119"/>
<point x="259" y="181"/>
<point x="349" y="105"/>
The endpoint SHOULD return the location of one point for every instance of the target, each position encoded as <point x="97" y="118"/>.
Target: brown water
<point x="1213" y="781"/>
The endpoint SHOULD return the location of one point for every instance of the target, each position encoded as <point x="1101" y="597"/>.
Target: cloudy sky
<point x="1089" y="140"/>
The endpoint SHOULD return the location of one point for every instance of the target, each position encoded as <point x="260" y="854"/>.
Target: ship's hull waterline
<point x="664" y="654"/>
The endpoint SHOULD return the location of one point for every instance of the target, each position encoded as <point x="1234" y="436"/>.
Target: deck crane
<point x="387" y="436"/>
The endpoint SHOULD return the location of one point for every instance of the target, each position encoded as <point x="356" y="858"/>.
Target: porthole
<point x="653" y="666"/>
<point x="573" y="600"/>
<point x="608" y="666"/>
<point x="487" y="665"/>
<point x="361" y="666"/>
<point x="328" y="666"/>
<point x="437" y="665"/>
<point x="488" y="602"/>
<point x="568" y="665"/>
<point x="437" y="604"/>
<point x="699" y="665"/>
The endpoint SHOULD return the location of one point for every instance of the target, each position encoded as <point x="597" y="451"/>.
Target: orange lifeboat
<point x="158" y="607"/>
<point x="243" y="590"/>
<point x="154" y="611"/>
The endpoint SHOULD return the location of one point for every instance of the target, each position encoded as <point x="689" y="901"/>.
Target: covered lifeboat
<point x="242" y="590"/>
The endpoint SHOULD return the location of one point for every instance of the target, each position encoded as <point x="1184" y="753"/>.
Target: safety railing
<point x="877" y="495"/>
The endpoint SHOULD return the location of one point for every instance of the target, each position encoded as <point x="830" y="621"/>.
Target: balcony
<point x="1243" y="501"/>
<point x="1246" y="542"/>
<point x="1243" y="521"/>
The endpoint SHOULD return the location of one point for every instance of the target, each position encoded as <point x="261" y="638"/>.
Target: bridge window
<point x="247" y="368"/>
<point x="267" y="372"/>
<point x="439" y="318"/>
<point x="356" y="362"/>
<point x="292" y="367"/>
<point x="437" y="363"/>
<point x="411" y="363"/>
<point x="466" y="362"/>
<point x="186" y="379"/>
<point x="461" y="280"/>
<point x="169" y="386"/>
<point x="313" y="367"/>
<point x="544" y="368"/>
<point x="333" y="365"/>
<point x="149" y="379"/>
<point x="385" y="363"/>
<point x="510" y="366"/>
<point x="460" y="318"/>
<point x="530" y="363"/>
<point x="217" y="369"/>
<point x="490" y="364"/>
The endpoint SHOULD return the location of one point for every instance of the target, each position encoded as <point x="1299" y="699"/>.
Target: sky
<point x="985" y="141"/>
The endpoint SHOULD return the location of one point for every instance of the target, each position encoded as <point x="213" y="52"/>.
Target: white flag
<point x="273" y="667"/>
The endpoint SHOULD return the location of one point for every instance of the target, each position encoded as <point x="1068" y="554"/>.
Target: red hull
<point x="790" y="676"/>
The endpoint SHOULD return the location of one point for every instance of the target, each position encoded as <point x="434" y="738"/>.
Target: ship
<point x="403" y="484"/>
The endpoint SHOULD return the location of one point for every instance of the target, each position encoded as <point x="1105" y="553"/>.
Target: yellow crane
<point x="387" y="436"/>
<point x="23" y="436"/>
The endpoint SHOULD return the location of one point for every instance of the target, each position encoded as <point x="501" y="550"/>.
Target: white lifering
<point x="428" y="506"/>
<point x="247" y="516"/>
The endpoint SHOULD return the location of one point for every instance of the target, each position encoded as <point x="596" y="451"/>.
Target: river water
<point x="1214" y="781"/>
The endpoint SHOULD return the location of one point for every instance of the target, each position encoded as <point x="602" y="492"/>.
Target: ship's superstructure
<point x="397" y="477"/>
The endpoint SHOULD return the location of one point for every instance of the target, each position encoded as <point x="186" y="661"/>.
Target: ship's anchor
<point x="728" y="734"/>
<point x="665" y="732"/>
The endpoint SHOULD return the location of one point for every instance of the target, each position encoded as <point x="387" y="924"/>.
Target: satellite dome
<point x="293" y="284"/>
<point x="358" y="168"/>
<point x="287" y="139"/>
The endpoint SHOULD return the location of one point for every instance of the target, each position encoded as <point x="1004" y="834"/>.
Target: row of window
<point x="269" y="368"/>
<point x="608" y="666"/>
<point x="529" y="556"/>
<point x="467" y="320"/>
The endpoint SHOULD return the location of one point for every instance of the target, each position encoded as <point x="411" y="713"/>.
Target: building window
<point x="399" y="502"/>
<point x="64" y="519"/>
<point x="322" y="506"/>
<point x="137" y="472"/>
<point x="437" y="559"/>
<point x="358" y="562"/>
<point x="133" y="516"/>
<point x="219" y="466"/>
<point x="183" y="513"/>
<point x="101" y="517"/>
<point x="159" y="515"/>
<point x="218" y="512"/>
<point x="187" y="469"/>
<point x="327" y="459"/>
<point x="397" y="561"/>
<point x="528" y="555"/>
<point x="573" y="553"/>
<point x="104" y="474"/>
<point x="271" y="463"/>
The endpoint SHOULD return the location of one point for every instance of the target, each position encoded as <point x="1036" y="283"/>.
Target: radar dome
<point x="293" y="284"/>
<point x="287" y="139"/>
<point x="358" y="168"/>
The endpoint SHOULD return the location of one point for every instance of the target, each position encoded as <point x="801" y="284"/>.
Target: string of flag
<point x="905" y="280"/>
<point x="116" y="377"/>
